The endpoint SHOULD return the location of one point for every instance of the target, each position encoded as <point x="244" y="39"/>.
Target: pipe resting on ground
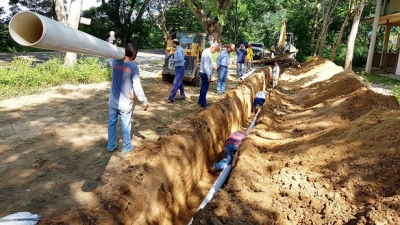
<point x="247" y="74"/>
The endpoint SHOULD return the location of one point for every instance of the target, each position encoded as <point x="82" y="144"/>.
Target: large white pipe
<point x="253" y="122"/>
<point x="34" y="30"/>
<point x="223" y="175"/>
<point x="247" y="74"/>
<point x="214" y="189"/>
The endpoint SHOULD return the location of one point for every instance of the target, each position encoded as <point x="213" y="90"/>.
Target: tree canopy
<point x="315" y="23"/>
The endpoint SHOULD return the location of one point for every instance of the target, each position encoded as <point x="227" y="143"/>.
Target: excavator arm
<point x="282" y="35"/>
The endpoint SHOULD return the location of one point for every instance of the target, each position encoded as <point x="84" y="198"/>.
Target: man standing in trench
<point x="231" y="147"/>
<point x="276" y="74"/>
<point x="125" y="81"/>
<point x="206" y="67"/>
<point x="179" y="62"/>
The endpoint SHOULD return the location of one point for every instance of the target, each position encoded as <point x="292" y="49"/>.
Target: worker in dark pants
<point x="259" y="100"/>
<point x="179" y="62"/>
<point x="206" y="67"/>
<point x="231" y="147"/>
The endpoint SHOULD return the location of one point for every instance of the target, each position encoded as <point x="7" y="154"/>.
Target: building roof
<point x="392" y="19"/>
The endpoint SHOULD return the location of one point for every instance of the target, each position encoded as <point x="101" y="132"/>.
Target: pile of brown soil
<point x="327" y="153"/>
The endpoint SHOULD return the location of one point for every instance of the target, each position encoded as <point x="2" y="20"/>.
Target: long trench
<point x="200" y="141"/>
<point x="162" y="187"/>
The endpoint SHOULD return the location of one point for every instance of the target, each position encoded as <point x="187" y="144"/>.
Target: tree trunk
<point x="73" y="21"/>
<point x="329" y="7"/>
<point x="210" y="23"/>
<point x="338" y="41"/>
<point x="60" y="11"/>
<point x="164" y="29"/>
<point x="161" y="21"/>
<point x="316" y="22"/>
<point x="352" y="36"/>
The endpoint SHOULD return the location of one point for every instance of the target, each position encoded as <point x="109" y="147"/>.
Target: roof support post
<point x="373" y="37"/>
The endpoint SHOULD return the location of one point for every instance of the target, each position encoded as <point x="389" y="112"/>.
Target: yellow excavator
<point x="193" y="44"/>
<point x="284" y="44"/>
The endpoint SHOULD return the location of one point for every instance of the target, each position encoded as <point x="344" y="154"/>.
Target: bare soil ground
<point x="52" y="145"/>
<point x="325" y="150"/>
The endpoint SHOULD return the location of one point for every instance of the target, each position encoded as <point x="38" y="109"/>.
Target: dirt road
<point x="39" y="57"/>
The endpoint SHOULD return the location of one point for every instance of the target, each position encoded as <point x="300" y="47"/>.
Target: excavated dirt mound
<point x="327" y="153"/>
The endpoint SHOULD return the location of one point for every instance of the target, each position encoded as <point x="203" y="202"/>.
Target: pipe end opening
<point x="26" y="28"/>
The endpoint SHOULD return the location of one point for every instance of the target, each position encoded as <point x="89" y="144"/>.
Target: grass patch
<point x="375" y="78"/>
<point x="165" y="118"/>
<point x="396" y="92"/>
<point x="22" y="76"/>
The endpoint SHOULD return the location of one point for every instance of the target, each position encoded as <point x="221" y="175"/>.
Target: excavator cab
<point x="193" y="44"/>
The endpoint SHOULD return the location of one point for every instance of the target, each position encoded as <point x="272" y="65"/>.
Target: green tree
<point x="249" y="20"/>
<point x="210" y="14"/>
<point x="43" y="7"/>
<point x="181" y="19"/>
<point x="125" y="16"/>
<point x="359" y="7"/>
<point x="100" y="24"/>
<point x="4" y="36"/>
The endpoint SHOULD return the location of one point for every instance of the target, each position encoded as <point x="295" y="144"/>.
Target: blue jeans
<point x="230" y="150"/>
<point x="205" y="85"/>
<point x="113" y="115"/>
<point x="240" y="69"/>
<point x="222" y="75"/>
<point x="178" y="83"/>
<point x="258" y="101"/>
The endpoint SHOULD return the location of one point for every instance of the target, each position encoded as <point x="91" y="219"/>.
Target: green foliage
<point x="43" y="7"/>
<point x="22" y="76"/>
<point x="154" y="36"/>
<point x="340" y="55"/>
<point x="124" y="17"/>
<point x="359" y="56"/>
<point x="377" y="79"/>
<point x="141" y="31"/>
<point x="6" y="42"/>
<point x="396" y="92"/>
<point x="181" y="19"/>
<point x="100" y="25"/>
<point x="242" y="20"/>
<point x="248" y="20"/>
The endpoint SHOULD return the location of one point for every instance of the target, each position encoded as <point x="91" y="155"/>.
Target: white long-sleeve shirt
<point x="206" y="64"/>
<point x="261" y="94"/>
<point x="276" y="72"/>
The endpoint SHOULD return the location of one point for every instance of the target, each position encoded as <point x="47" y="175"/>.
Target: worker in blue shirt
<point x="241" y="55"/>
<point x="223" y="60"/>
<point x="125" y="83"/>
<point x="179" y="63"/>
